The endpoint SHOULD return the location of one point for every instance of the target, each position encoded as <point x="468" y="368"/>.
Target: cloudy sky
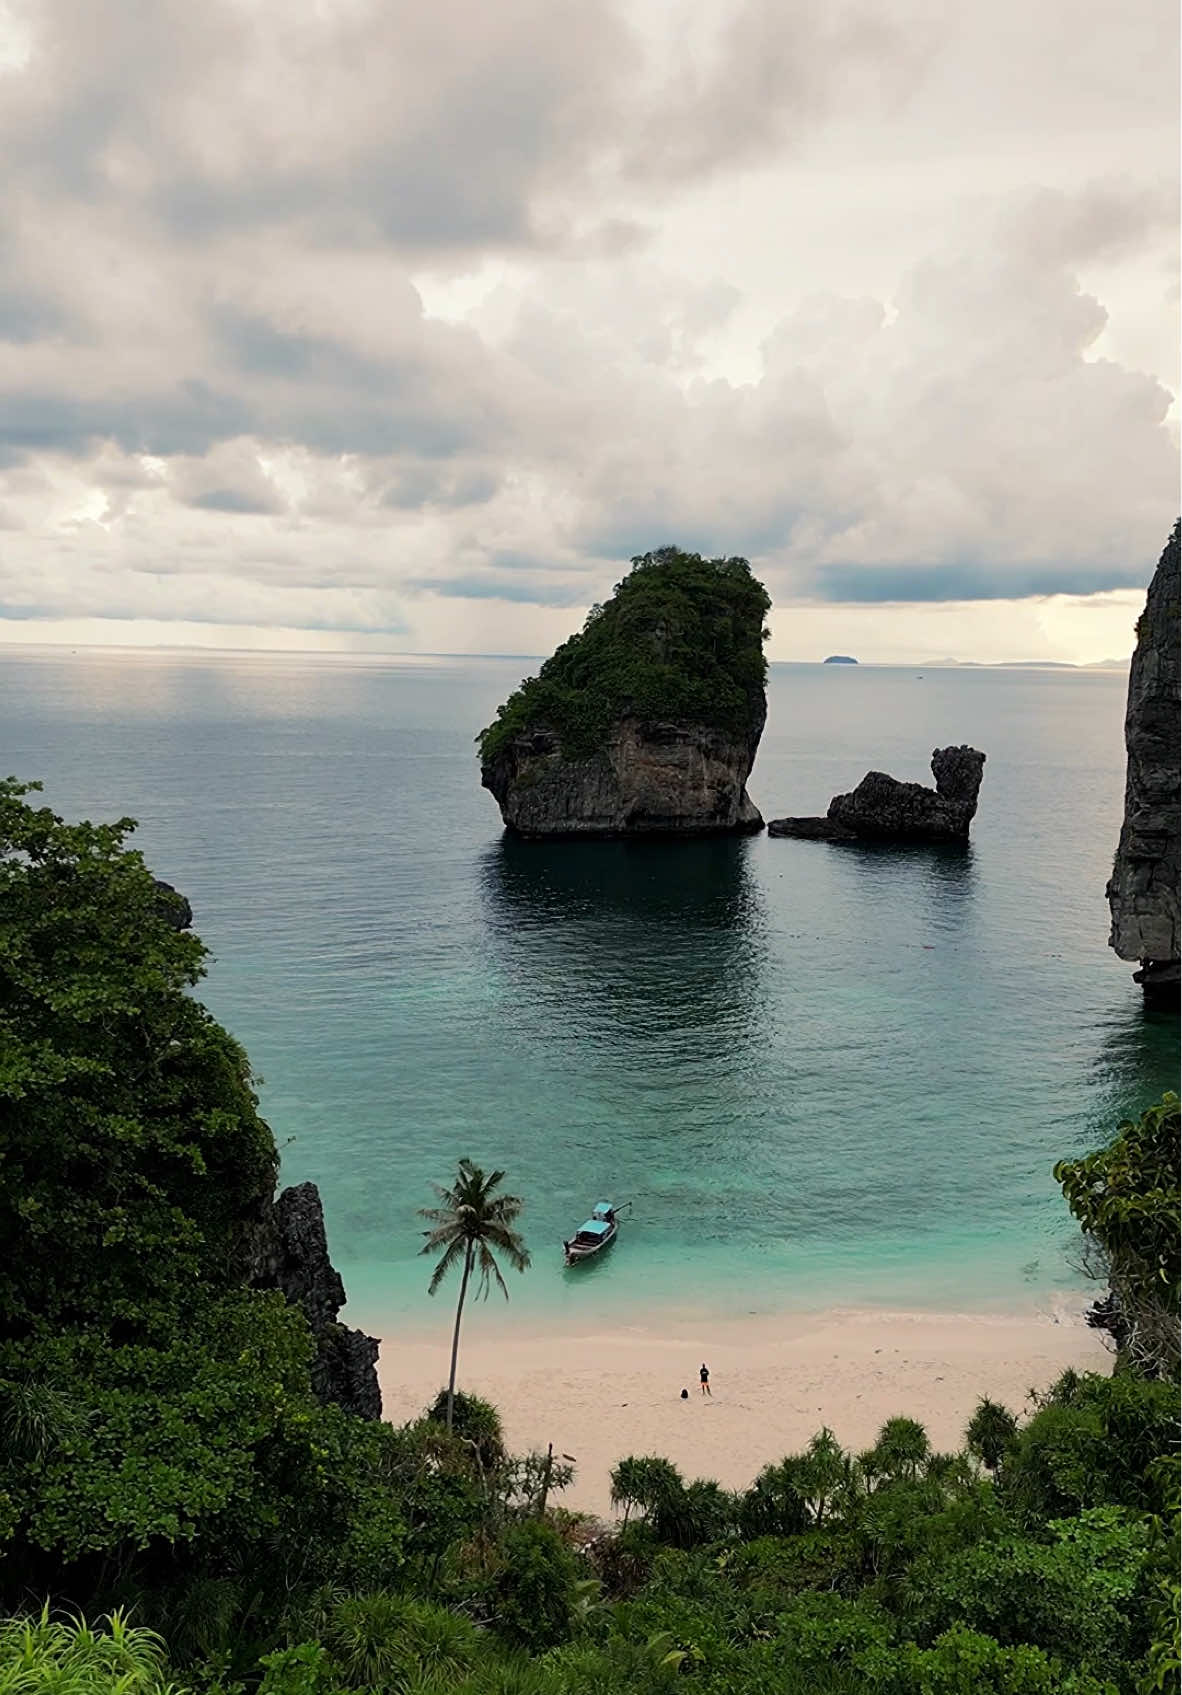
<point x="402" y="324"/>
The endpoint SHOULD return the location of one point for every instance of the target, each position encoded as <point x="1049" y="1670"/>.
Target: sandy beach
<point x="607" y="1393"/>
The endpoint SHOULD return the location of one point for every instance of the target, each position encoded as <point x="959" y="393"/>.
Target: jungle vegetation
<point x="681" y="640"/>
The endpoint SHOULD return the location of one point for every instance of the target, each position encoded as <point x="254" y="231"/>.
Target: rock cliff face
<point x="1143" y="891"/>
<point x="289" y="1251"/>
<point x="883" y="809"/>
<point x="649" y="778"/>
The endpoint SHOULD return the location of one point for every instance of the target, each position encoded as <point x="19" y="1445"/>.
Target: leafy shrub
<point x="130" y="1115"/>
<point x="535" y="1597"/>
<point x="1081" y="1596"/>
<point x="992" y="1432"/>
<point x="303" y="1669"/>
<point x="1126" y="1198"/>
<point x="966" y="1662"/>
<point x="475" y="1421"/>
<point x="1094" y="1440"/>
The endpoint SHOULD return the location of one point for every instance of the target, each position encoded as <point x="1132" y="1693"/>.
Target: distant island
<point x="647" y="720"/>
<point x="840" y="659"/>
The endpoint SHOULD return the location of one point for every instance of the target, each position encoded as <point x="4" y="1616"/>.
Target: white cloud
<point x="411" y="324"/>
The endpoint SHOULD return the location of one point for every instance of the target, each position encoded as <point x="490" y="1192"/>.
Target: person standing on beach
<point x="704" y="1374"/>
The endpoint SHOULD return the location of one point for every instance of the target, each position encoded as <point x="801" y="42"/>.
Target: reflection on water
<point x="650" y="938"/>
<point x="1136" y="1061"/>
<point x="704" y="881"/>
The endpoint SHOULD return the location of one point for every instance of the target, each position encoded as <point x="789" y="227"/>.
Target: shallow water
<point x="821" y="1073"/>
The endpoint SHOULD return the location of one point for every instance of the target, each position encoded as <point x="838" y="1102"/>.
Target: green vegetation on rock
<point x="681" y="639"/>
<point x="1126" y="1197"/>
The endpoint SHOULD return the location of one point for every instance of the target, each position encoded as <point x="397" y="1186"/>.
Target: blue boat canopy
<point x="594" y="1227"/>
<point x="601" y="1208"/>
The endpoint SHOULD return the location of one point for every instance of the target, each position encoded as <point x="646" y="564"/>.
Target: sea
<point x="820" y="1075"/>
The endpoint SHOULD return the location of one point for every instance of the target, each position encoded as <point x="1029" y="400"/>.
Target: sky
<point x="385" y="326"/>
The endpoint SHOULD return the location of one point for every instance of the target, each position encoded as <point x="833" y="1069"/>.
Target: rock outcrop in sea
<point x="1143" y="890"/>
<point x="289" y="1252"/>
<point x="883" y="809"/>
<point x="647" y="721"/>
<point x="654" y="778"/>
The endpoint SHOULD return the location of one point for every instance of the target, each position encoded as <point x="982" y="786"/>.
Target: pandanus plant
<point x="469" y="1222"/>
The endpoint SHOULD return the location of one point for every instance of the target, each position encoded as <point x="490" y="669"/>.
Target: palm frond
<point x="489" y="1269"/>
<point x="455" y="1252"/>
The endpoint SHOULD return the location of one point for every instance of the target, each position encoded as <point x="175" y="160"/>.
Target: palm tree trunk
<point x="455" y="1340"/>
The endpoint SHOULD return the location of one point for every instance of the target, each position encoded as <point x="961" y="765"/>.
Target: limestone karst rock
<point x="883" y="809"/>
<point x="647" y="721"/>
<point x="1143" y="890"/>
<point x="646" y="778"/>
<point x="289" y="1252"/>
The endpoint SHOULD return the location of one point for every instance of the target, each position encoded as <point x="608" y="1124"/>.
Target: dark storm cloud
<point x="234" y="500"/>
<point x="427" y="126"/>
<point x="523" y="591"/>
<point x="881" y="584"/>
<point x="188" y="416"/>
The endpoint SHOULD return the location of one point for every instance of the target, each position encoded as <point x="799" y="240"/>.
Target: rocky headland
<point x="289" y="1252"/>
<point x="882" y="809"/>
<point x="1143" y="890"/>
<point x="647" y="721"/>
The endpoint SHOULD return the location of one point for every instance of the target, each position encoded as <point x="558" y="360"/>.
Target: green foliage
<point x="1126" y="1199"/>
<point x="680" y="1515"/>
<point x="1094" y="1440"/>
<point x="1080" y="1596"/>
<point x="48" y="1656"/>
<point x="965" y="1662"/>
<point x="304" y="1669"/>
<point x="644" y="1482"/>
<point x="535" y="1597"/>
<point x="681" y="639"/>
<point x="991" y="1432"/>
<point x="901" y="1450"/>
<point x="474" y="1421"/>
<point x="213" y="1443"/>
<point x="387" y="1641"/>
<point x="131" y="1149"/>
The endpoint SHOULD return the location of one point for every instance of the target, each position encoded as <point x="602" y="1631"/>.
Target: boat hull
<point x="576" y="1251"/>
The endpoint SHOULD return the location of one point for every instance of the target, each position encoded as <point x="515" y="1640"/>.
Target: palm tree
<point x="468" y="1224"/>
<point x="992" y="1432"/>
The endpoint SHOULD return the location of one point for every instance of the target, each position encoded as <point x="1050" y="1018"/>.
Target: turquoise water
<point x="821" y="1073"/>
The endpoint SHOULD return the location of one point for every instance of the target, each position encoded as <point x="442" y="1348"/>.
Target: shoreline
<point x="613" y="1389"/>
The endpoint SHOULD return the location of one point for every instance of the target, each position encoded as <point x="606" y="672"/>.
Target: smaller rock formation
<point x="840" y="659"/>
<point x="885" y="810"/>
<point x="291" y="1254"/>
<point x="1143" y="890"/>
